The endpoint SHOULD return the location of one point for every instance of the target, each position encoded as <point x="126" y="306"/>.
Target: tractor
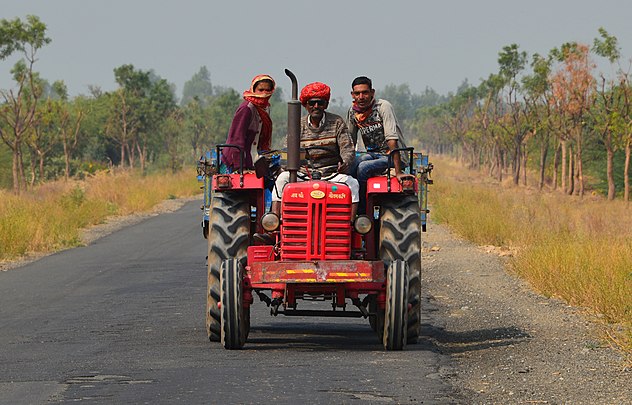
<point x="314" y="251"/>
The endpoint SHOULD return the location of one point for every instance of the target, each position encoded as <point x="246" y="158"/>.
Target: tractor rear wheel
<point x="229" y="233"/>
<point x="234" y="317"/>
<point x="400" y="239"/>
<point x="396" y="313"/>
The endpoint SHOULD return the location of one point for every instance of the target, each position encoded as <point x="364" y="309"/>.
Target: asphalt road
<point x="122" y="321"/>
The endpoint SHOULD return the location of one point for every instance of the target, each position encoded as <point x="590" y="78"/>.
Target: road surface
<point x="122" y="321"/>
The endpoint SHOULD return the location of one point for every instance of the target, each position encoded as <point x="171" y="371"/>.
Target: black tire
<point x="377" y="321"/>
<point x="400" y="239"/>
<point x="228" y="238"/>
<point x="373" y="308"/>
<point x="205" y="229"/>
<point x="233" y="315"/>
<point x="396" y="313"/>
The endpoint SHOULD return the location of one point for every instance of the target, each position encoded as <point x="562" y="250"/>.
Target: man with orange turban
<point x="325" y="130"/>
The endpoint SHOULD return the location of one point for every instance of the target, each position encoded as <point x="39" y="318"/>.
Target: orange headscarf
<point x="262" y="101"/>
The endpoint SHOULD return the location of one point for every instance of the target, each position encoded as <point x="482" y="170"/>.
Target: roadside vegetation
<point x="576" y="249"/>
<point x="50" y="216"/>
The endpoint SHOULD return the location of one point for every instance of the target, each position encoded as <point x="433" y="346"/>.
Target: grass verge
<point x="50" y="216"/>
<point x="577" y="249"/>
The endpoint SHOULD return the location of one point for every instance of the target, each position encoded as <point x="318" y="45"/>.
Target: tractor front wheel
<point x="396" y="313"/>
<point x="234" y="317"/>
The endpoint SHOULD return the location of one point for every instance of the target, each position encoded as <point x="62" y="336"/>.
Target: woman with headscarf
<point x="251" y="128"/>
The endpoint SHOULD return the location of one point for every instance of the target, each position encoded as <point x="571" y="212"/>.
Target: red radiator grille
<point x="316" y="230"/>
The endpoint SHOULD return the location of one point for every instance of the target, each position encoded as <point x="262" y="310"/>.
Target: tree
<point x="199" y="87"/>
<point x="197" y="125"/>
<point x="572" y="87"/>
<point x="278" y="114"/>
<point x="488" y="116"/>
<point x="220" y="115"/>
<point x="141" y="105"/>
<point x="43" y="138"/>
<point x="69" y="123"/>
<point x="611" y="111"/>
<point x="512" y="63"/>
<point x="20" y="104"/>
<point x="536" y="94"/>
<point x="131" y="93"/>
<point x="122" y="123"/>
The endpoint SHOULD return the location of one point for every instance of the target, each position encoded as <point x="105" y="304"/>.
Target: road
<point x="122" y="321"/>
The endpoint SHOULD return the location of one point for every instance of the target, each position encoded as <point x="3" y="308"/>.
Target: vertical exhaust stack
<point x="293" y="129"/>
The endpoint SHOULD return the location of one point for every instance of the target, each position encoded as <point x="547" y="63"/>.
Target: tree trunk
<point x="563" y="175"/>
<point x="626" y="172"/>
<point x="571" y="172"/>
<point x="544" y="150"/>
<point x="516" y="164"/>
<point x="22" y="173"/>
<point x="67" y="161"/>
<point x="122" y="164"/>
<point x="32" y="169"/>
<point x="142" y="156"/>
<point x="41" y="166"/>
<point x="525" y="156"/>
<point x="610" y="169"/>
<point x="131" y="154"/>
<point x="580" y="167"/>
<point x="556" y="165"/>
<point x="16" y="172"/>
<point x="499" y="164"/>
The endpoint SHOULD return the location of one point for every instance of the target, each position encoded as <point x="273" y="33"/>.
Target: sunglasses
<point x="313" y="102"/>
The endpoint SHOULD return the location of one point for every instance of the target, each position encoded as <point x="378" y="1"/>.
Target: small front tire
<point x="396" y="313"/>
<point x="234" y="320"/>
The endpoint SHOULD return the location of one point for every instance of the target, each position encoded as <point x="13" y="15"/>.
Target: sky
<point x="424" y="44"/>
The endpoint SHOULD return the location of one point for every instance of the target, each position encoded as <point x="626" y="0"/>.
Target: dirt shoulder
<point x="510" y="344"/>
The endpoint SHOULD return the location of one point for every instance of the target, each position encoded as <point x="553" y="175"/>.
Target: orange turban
<point x="315" y="90"/>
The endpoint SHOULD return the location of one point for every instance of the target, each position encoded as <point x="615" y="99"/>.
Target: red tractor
<point x="315" y="250"/>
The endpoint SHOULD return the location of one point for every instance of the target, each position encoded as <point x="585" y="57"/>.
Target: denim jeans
<point x="368" y="165"/>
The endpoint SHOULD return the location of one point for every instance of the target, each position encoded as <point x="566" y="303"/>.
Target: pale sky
<point x="433" y="44"/>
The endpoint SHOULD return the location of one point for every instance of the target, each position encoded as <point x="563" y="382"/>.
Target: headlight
<point x="363" y="225"/>
<point x="270" y="222"/>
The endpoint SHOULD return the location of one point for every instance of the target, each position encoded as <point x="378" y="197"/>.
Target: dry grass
<point x="576" y="249"/>
<point x="50" y="216"/>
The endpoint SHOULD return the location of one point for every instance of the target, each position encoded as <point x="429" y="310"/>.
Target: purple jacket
<point x="245" y="126"/>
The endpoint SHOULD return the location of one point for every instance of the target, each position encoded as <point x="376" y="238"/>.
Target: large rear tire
<point x="400" y="239"/>
<point x="229" y="233"/>
<point x="396" y="313"/>
<point x="234" y="318"/>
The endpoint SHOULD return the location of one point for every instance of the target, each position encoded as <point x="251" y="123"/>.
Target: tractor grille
<point x="316" y="230"/>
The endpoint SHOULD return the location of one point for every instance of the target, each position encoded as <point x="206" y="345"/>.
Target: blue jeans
<point x="368" y="165"/>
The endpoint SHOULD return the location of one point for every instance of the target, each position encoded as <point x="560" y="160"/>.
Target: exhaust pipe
<point x="293" y="129"/>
